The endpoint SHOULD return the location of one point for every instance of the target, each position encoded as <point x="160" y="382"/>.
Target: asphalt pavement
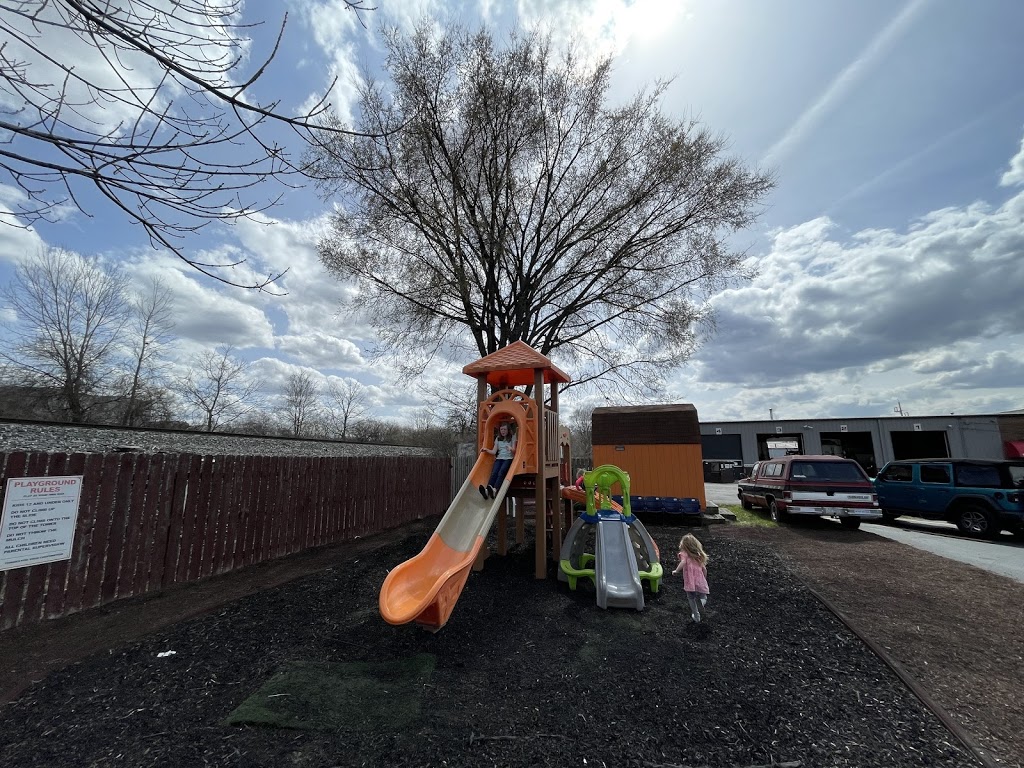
<point x="1004" y="556"/>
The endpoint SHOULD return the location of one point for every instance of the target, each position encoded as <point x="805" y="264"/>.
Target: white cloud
<point x="1015" y="174"/>
<point x="321" y="351"/>
<point x="206" y="313"/>
<point x="602" y="26"/>
<point x="312" y="297"/>
<point x="994" y="371"/>
<point x="912" y="314"/>
<point x="334" y="28"/>
<point x="16" y="241"/>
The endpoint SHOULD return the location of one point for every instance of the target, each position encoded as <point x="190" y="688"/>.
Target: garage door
<point x="722" y="447"/>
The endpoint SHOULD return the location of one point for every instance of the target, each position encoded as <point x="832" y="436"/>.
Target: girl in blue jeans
<point x="503" y="451"/>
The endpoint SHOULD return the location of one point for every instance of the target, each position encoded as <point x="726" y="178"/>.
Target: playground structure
<point x="623" y="554"/>
<point x="425" y="588"/>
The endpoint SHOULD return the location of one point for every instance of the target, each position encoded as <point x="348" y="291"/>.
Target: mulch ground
<point x="528" y="673"/>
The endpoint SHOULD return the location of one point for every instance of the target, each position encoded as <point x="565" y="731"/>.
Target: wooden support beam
<point x="520" y="521"/>
<point x="556" y="519"/>
<point x="540" y="518"/>
<point x="503" y="528"/>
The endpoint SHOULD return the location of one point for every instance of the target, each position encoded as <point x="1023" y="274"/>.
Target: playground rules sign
<point x="38" y="523"/>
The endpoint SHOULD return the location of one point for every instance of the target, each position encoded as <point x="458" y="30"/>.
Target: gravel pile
<point x="65" y="438"/>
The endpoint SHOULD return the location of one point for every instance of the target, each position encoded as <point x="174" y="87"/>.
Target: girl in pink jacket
<point x="693" y="562"/>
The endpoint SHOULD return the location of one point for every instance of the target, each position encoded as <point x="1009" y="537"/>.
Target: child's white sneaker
<point x="695" y="617"/>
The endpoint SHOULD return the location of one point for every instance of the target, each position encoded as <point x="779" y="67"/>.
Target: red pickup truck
<point x="819" y="486"/>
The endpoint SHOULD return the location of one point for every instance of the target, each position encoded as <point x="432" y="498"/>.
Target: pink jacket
<point x="695" y="575"/>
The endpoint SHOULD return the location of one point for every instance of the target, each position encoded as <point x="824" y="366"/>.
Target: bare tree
<point x="151" y="325"/>
<point x="428" y="431"/>
<point x="516" y="203"/>
<point x="219" y="389"/>
<point x="301" y="401"/>
<point x="147" y="102"/>
<point x="345" y="403"/>
<point x="256" y="423"/>
<point x="454" y="407"/>
<point x="70" y="311"/>
<point x="378" y="431"/>
<point x="581" y="433"/>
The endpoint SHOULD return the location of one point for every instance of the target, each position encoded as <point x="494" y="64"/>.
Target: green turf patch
<point x="360" y="696"/>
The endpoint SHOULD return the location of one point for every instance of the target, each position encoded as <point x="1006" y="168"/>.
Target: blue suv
<point x="981" y="497"/>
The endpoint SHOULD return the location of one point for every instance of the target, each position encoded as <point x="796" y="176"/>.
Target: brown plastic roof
<point x="513" y="366"/>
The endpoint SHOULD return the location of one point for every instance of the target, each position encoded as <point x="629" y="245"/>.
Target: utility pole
<point x="771" y="416"/>
<point x="899" y="409"/>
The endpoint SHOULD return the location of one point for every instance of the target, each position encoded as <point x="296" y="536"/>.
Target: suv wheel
<point x="850" y="523"/>
<point x="776" y="514"/>
<point x="975" y="520"/>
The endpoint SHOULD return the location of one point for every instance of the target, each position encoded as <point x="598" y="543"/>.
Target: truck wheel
<point x="974" y="520"/>
<point x="850" y="523"/>
<point x="776" y="514"/>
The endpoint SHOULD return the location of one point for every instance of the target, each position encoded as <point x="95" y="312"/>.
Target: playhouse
<point x="659" y="446"/>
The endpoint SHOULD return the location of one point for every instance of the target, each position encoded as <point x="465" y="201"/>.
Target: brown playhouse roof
<point x="513" y="366"/>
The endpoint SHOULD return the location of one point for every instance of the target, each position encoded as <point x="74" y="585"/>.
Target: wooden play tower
<point x="517" y="383"/>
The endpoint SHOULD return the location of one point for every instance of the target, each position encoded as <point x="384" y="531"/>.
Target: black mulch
<point x="526" y="673"/>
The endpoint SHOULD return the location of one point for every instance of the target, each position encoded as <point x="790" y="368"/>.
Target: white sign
<point x="917" y="427"/>
<point x="38" y="523"/>
<point x="778" y="430"/>
<point x="843" y="428"/>
<point x="718" y="430"/>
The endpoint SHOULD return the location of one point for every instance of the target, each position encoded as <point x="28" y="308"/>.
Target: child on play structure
<point x="579" y="479"/>
<point x="503" y="451"/>
<point x="693" y="562"/>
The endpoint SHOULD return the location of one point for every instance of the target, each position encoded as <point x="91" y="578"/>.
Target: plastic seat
<point x="690" y="506"/>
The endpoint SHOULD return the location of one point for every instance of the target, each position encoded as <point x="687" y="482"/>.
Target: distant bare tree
<point x="345" y="404"/>
<point x="301" y="402"/>
<point x="581" y="432"/>
<point x="378" y="431"/>
<point x="70" y="312"/>
<point x="150" y="328"/>
<point x="432" y="433"/>
<point x="219" y="388"/>
<point x="149" y="103"/>
<point x="454" y="407"/>
<point x="256" y="423"/>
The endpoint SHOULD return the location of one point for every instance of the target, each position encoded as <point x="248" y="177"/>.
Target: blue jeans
<point x="498" y="472"/>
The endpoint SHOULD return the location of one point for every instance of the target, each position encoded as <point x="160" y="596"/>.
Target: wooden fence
<point x="146" y="522"/>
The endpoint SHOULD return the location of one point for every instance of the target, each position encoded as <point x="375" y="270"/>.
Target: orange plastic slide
<point x="426" y="588"/>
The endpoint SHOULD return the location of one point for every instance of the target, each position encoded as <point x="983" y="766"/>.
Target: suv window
<point x="978" y="476"/>
<point x="937" y="473"/>
<point x="1017" y="475"/>
<point x="826" y="470"/>
<point x="899" y="473"/>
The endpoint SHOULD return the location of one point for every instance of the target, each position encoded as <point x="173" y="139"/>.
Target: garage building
<point x="871" y="441"/>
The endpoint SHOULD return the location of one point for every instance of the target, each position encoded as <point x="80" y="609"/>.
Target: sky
<point x="889" y="258"/>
